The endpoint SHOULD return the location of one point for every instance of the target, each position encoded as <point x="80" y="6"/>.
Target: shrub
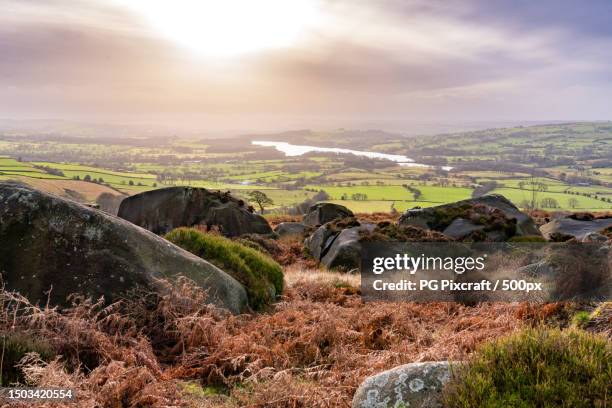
<point x="386" y="231"/>
<point x="261" y="275"/>
<point x="492" y="219"/>
<point x="263" y="244"/>
<point x="14" y="347"/>
<point x="581" y="319"/>
<point x="536" y="368"/>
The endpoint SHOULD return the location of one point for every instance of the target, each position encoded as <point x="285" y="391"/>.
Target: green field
<point x="584" y="203"/>
<point x="569" y="162"/>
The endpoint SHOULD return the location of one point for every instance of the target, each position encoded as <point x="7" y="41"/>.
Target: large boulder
<point x="574" y="228"/>
<point x="322" y="213"/>
<point x="48" y="243"/>
<point x="319" y="242"/>
<point x="285" y="229"/>
<point x="344" y="252"/>
<point x="337" y="245"/>
<point x="165" y="209"/>
<point x="491" y="217"/>
<point x="411" y="385"/>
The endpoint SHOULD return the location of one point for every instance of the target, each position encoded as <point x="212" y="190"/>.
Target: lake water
<point x="298" y="150"/>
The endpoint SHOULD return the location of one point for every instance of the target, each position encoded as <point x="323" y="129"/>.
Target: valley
<point x="559" y="167"/>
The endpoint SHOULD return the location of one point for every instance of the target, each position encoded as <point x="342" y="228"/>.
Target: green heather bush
<point x="14" y="346"/>
<point x="536" y="368"/>
<point x="260" y="274"/>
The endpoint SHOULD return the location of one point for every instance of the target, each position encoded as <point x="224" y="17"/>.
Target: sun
<point x="227" y="27"/>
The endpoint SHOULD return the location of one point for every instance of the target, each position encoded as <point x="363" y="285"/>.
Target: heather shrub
<point x="15" y="346"/>
<point x="536" y="368"/>
<point x="260" y="274"/>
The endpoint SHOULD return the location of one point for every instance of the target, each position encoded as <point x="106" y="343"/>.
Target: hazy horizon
<point x="66" y="127"/>
<point x="237" y="66"/>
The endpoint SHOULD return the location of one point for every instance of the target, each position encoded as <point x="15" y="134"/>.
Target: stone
<point x="163" y="210"/>
<point x="344" y="252"/>
<point x="576" y="228"/>
<point x="322" y="213"/>
<point x="595" y="237"/>
<point x="51" y="243"/>
<point x="441" y="218"/>
<point x="415" y="385"/>
<point x="285" y="229"/>
<point x="461" y="228"/>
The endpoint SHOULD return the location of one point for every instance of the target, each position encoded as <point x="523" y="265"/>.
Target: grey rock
<point x="576" y="228"/>
<point x="594" y="237"/>
<point x="322" y="213"/>
<point x="290" y="228"/>
<point x="461" y="228"/>
<point x="411" y="385"/>
<point x="47" y="242"/>
<point x="337" y="249"/>
<point x="319" y="241"/>
<point x="160" y="211"/>
<point x="344" y="252"/>
<point x="416" y="217"/>
<point x="424" y="218"/>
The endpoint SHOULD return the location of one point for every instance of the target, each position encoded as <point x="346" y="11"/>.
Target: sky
<point x="281" y="64"/>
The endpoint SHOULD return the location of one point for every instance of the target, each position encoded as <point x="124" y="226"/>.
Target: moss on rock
<point x="260" y="274"/>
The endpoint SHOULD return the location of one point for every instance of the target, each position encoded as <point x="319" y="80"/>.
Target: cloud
<point x="362" y="60"/>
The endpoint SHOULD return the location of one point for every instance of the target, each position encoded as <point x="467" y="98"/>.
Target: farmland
<point x="557" y="167"/>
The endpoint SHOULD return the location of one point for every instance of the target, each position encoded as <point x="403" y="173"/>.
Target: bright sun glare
<point x="227" y="27"/>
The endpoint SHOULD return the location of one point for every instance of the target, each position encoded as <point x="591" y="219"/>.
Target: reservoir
<point x="298" y="150"/>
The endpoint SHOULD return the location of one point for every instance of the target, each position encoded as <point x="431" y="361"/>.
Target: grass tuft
<point x="260" y="274"/>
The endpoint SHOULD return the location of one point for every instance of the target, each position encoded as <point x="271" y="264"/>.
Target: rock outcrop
<point x="573" y="228"/>
<point x="163" y="210"/>
<point x="48" y="243"/>
<point x="344" y="252"/>
<point x="411" y="385"/>
<point x="285" y="229"/>
<point x="490" y="217"/>
<point x="322" y="213"/>
<point x="337" y="244"/>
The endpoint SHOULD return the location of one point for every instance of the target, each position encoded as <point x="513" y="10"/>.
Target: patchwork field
<point x="568" y="166"/>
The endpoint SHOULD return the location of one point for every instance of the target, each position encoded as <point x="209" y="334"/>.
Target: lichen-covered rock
<point x="165" y="209"/>
<point x="415" y="385"/>
<point x="570" y="227"/>
<point x="285" y="229"/>
<point x="50" y="243"/>
<point x="491" y="217"/>
<point x="322" y="213"/>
